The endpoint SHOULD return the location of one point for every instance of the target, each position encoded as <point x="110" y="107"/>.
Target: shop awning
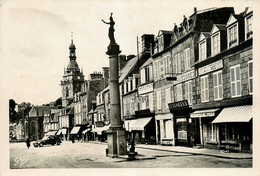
<point x="64" y="131"/>
<point x="59" y="132"/>
<point x="51" y="133"/>
<point x="99" y="130"/>
<point x="86" y="130"/>
<point x="137" y="124"/>
<point x="234" y="114"/>
<point x="75" y="130"/>
<point x="204" y="113"/>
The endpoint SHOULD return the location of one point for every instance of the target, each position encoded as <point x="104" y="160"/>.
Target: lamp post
<point x="115" y="134"/>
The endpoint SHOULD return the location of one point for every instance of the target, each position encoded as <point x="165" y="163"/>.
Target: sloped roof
<point x="71" y="111"/>
<point x="128" y="68"/>
<point x="149" y="61"/>
<point x="40" y="110"/>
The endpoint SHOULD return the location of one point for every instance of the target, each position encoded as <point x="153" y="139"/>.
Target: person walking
<point x="73" y="140"/>
<point x="28" y="143"/>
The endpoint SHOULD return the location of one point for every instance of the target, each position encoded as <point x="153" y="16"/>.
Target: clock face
<point x="78" y="77"/>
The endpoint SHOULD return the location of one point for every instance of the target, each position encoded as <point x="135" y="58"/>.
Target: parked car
<point x="48" y="140"/>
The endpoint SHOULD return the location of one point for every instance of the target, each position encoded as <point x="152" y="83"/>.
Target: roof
<point x="40" y="110"/>
<point x="71" y="111"/>
<point x="128" y="68"/>
<point x="54" y="111"/>
<point x="164" y="32"/>
<point x="221" y="27"/>
<point x="148" y="62"/>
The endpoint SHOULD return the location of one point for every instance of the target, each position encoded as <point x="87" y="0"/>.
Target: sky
<point x="35" y="36"/>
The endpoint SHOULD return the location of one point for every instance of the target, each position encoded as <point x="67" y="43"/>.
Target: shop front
<point x="205" y="133"/>
<point x="99" y="133"/>
<point x="235" y="128"/>
<point x="141" y="130"/>
<point x="75" y="133"/>
<point x="164" y="129"/>
<point x="182" y="126"/>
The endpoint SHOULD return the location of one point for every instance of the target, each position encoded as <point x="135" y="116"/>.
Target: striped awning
<point x="59" y="132"/>
<point x="137" y="124"/>
<point x="86" y="130"/>
<point x="75" y="130"/>
<point x="234" y="114"/>
<point x="64" y="131"/>
<point x="203" y="113"/>
<point x="99" y="130"/>
<point x="51" y="133"/>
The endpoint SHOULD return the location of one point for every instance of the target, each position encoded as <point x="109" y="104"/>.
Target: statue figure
<point x="111" y="29"/>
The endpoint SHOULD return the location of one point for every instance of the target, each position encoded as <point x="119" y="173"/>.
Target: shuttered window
<point x="235" y="81"/>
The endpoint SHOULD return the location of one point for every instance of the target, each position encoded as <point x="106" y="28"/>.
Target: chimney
<point x="106" y="75"/>
<point x="130" y="56"/>
<point x="195" y="9"/>
<point x="121" y="61"/>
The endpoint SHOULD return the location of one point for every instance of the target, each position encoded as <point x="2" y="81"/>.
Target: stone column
<point x="116" y="133"/>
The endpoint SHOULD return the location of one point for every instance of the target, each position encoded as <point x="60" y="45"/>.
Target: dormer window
<point x="233" y="35"/>
<point x="248" y="27"/>
<point x="215" y="43"/>
<point x="202" y="50"/>
<point x="160" y="43"/>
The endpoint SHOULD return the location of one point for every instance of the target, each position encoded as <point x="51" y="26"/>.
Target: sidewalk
<point x="187" y="150"/>
<point x="202" y="151"/>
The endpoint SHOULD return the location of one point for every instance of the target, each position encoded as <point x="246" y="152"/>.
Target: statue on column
<point x="111" y="30"/>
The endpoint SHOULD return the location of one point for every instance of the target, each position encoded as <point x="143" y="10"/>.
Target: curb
<point x="194" y="153"/>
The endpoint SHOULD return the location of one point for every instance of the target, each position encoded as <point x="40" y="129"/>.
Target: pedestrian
<point x="28" y="143"/>
<point x="73" y="140"/>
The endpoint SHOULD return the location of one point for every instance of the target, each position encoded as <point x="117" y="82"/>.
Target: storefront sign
<point x="211" y="67"/>
<point x="186" y="76"/>
<point x="204" y="114"/>
<point x="145" y="88"/>
<point x="139" y="99"/>
<point x="179" y="104"/>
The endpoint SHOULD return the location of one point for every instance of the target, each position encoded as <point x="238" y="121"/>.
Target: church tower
<point x="72" y="78"/>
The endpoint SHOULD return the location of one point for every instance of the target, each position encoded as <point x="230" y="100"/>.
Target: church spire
<point x="72" y="49"/>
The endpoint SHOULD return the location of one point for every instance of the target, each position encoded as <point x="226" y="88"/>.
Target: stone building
<point x="37" y="115"/>
<point x="174" y="76"/>
<point x="138" y="122"/>
<point x="225" y="84"/>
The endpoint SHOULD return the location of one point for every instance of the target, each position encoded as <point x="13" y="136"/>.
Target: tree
<point x="12" y="112"/>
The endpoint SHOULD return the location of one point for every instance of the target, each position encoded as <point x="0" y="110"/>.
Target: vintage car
<point x="48" y="140"/>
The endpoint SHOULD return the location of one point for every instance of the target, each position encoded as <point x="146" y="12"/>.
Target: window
<point x="159" y="99"/>
<point x="218" y="87"/>
<point x="168" y="65"/>
<point x="151" y="101"/>
<point x="204" y="83"/>
<point x="235" y="81"/>
<point x="167" y="97"/>
<point x="179" y="92"/>
<point x="143" y="75"/>
<point x="250" y="76"/>
<point x="232" y="35"/>
<point x="215" y="44"/>
<point x="202" y="51"/>
<point x="178" y="63"/>
<point x="188" y="91"/>
<point x="212" y="132"/>
<point x="187" y="59"/>
<point x="248" y="27"/>
<point x="147" y="74"/>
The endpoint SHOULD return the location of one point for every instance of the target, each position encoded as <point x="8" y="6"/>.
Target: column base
<point x="116" y="142"/>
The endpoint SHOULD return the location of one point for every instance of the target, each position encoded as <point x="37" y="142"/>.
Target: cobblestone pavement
<point x="92" y="155"/>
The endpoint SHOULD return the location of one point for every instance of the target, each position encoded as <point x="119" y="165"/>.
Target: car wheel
<point x="40" y="144"/>
<point x="35" y="145"/>
<point x="58" y="143"/>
